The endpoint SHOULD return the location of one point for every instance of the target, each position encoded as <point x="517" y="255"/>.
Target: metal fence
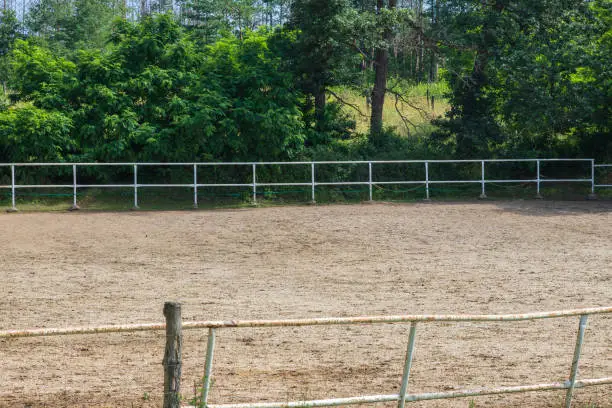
<point x="602" y="166"/>
<point x="401" y="397"/>
<point x="313" y="182"/>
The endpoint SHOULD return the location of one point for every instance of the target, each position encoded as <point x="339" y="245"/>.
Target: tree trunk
<point x="381" y="67"/>
<point x="320" y="100"/>
<point x="143" y="8"/>
<point x="433" y="75"/>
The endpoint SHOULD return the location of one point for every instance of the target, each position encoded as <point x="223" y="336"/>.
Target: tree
<point x="38" y="75"/>
<point x="205" y="18"/>
<point x="52" y="20"/>
<point x="526" y="78"/>
<point x="92" y="21"/>
<point x="70" y="24"/>
<point x="9" y="32"/>
<point x="320" y="48"/>
<point x="381" y="67"/>
<point x="31" y="134"/>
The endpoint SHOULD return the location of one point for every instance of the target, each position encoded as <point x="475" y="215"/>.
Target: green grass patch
<point x="410" y="116"/>
<point x="182" y="198"/>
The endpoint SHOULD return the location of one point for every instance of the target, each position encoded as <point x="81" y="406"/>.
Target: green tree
<point x="30" y="134"/>
<point x="261" y="119"/>
<point x="70" y="24"/>
<point x="205" y="18"/>
<point x="53" y="21"/>
<point x="9" y="32"/>
<point x="381" y="68"/>
<point x="320" y="50"/>
<point x="39" y="75"/>
<point x="156" y="95"/>
<point x="526" y="78"/>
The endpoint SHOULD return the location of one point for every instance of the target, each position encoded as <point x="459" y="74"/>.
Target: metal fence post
<point x="575" y="360"/>
<point x="210" y="351"/>
<point x="13" y="206"/>
<point x="538" y="195"/>
<point x="592" y="196"/>
<point x="173" y="355"/>
<point x="254" y="183"/>
<point x="74" y="189"/>
<point x="312" y="181"/>
<point x="483" y="194"/>
<point x="407" y="365"/>
<point x="136" y="186"/>
<point x="370" y="178"/>
<point x="427" y="181"/>
<point x="195" y="185"/>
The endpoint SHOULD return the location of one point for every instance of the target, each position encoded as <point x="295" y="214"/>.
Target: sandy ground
<point x="73" y="269"/>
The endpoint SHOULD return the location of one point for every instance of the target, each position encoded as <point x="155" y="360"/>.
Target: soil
<point x="87" y="269"/>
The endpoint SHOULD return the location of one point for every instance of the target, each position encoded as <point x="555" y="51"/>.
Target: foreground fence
<point x="310" y="178"/>
<point x="173" y="354"/>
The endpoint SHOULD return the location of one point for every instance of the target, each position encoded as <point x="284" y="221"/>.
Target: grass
<point x="177" y="199"/>
<point x="122" y="200"/>
<point x="419" y="114"/>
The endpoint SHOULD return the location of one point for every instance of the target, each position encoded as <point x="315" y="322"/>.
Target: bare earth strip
<point x="74" y="269"/>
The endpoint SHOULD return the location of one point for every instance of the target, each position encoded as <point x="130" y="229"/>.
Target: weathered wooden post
<point x="172" y="356"/>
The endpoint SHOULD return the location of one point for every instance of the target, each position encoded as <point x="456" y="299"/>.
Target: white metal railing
<point x="402" y="396"/>
<point x="312" y="183"/>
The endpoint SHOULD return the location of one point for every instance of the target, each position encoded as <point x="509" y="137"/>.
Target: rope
<point x="419" y="187"/>
<point x="509" y="187"/>
<point x="41" y="194"/>
<point x="220" y="194"/>
<point x="282" y="192"/>
<point x="451" y="190"/>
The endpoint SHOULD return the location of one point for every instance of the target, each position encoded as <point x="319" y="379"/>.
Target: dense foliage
<point x="231" y="80"/>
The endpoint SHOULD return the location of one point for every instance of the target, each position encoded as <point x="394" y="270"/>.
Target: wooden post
<point x="172" y="356"/>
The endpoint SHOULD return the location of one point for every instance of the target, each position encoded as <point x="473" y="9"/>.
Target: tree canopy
<point x="176" y="80"/>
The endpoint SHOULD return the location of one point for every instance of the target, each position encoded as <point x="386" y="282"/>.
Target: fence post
<point x="483" y="194"/>
<point x="427" y="181"/>
<point x="13" y="207"/>
<point x="575" y="360"/>
<point x="210" y="352"/>
<point x="195" y="185"/>
<point x="254" y="183"/>
<point x="135" y="187"/>
<point x="592" y="196"/>
<point x="74" y="189"/>
<point x="370" y="178"/>
<point x="312" y="181"/>
<point x="407" y="365"/>
<point x="538" y="195"/>
<point x="173" y="355"/>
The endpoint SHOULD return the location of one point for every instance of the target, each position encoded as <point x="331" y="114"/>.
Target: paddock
<point x="88" y="269"/>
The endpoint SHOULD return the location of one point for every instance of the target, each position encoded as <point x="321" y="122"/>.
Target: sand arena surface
<point x="80" y="269"/>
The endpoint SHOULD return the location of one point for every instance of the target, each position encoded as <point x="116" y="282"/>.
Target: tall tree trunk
<point x="320" y="100"/>
<point x="143" y="8"/>
<point x="433" y="68"/>
<point x="381" y="68"/>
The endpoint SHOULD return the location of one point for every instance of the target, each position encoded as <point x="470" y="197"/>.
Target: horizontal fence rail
<point x="313" y="182"/>
<point x="324" y="321"/>
<point x="402" y="397"/>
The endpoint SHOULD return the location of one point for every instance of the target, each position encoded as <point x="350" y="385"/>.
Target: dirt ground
<point x="81" y="269"/>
